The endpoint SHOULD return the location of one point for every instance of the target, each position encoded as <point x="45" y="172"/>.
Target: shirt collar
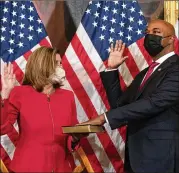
<point x="165" y="57"/>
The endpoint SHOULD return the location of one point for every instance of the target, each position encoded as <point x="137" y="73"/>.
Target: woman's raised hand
<point x="8" y="80"/>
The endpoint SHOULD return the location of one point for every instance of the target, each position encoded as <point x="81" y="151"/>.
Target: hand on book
<point x="100" y="120"/>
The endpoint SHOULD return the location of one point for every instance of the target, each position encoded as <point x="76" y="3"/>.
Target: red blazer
<point x="42" y="147"/>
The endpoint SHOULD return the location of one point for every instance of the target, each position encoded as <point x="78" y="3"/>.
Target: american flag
<point x="103" y="23"/>
<point x="22" y="32"/>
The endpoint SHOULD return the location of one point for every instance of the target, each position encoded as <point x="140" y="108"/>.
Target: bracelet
<point x="105" y="117"/>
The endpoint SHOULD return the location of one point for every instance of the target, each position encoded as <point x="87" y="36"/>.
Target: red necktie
<point x="148" y="74"/>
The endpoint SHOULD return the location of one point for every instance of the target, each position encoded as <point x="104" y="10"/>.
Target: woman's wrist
<point x="5" y="93"/>
<point x="75" y="139"/>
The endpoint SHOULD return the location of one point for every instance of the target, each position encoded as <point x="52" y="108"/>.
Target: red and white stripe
<point x="177" y="37"/>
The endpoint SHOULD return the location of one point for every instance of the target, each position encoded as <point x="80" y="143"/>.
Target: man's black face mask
<point x="152" y="44"/>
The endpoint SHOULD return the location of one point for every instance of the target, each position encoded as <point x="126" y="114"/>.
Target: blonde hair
<point x="40" y="66"/>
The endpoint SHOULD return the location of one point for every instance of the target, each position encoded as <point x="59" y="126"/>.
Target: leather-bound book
<point x="83" y="129"/>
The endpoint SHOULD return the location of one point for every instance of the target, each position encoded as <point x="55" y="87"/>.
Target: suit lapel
<point x="141" y="77"/>
<point x="162" y="67"/>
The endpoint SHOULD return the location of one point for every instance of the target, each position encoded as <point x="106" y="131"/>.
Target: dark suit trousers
<point x="127" y="166"/>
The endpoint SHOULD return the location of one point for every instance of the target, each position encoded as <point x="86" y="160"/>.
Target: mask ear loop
<point x="166" y="37"/>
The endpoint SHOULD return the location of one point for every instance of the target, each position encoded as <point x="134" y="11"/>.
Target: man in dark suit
<point x="150" y="105"/>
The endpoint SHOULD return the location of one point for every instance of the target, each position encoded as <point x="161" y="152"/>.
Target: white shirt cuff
<point x="110" y="69"/>
<point x="106" y="118"/>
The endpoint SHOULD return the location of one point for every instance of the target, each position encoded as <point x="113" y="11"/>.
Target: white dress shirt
<point x="160" y="61"/>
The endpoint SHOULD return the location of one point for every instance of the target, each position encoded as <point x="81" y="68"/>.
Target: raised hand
<point x="116" y="55"/>
<point x="7" y="80"/>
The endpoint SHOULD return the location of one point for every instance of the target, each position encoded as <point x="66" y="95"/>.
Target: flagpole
<point x="3" y="167"/>
<point x="85" y="160"/>
<point x="171" y="11"/>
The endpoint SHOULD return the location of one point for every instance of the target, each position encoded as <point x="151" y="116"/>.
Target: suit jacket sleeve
<point x="163" y="98"/>
<point x="116" y="96"/>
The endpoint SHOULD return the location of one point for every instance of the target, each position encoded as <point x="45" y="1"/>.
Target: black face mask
<point x="152" y="44"/>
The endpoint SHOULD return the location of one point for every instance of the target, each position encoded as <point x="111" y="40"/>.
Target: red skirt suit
<point x="42" y="147"/>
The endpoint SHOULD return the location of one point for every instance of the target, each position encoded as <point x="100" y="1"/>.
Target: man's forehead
<point x="155" y="26"/>
<point x="161" y="26"/>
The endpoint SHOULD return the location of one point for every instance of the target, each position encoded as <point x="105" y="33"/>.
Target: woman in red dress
<point x="40" y="107"/>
